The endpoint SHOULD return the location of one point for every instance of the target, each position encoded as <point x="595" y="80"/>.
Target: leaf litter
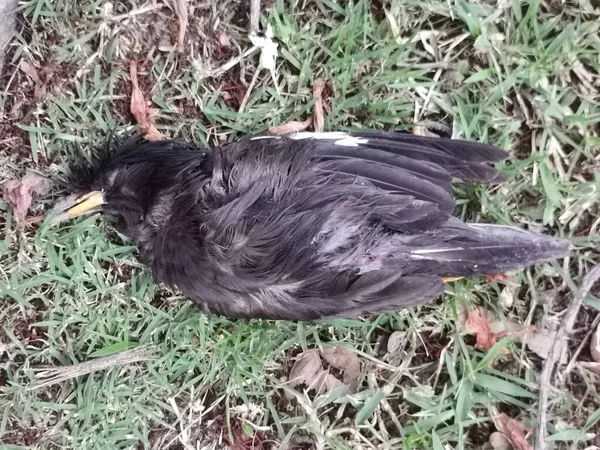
<point x="141" y="110"/>
<point x="30" y="70"/>
<point x="514" y="431"/>
<point x="19" y="193"/>
<point x="308" y="370"/>
<point x="295" y="126"/>
<point x="478" y="324"/>
<point x="344" y="359"/>
<point x="487" y="329"/>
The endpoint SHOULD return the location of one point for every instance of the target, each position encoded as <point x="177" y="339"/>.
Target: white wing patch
<point x="258" y="138"/>
<point x="340" y="138"/>
<point x="351" y="141"/>
<point x="430" y="253"/>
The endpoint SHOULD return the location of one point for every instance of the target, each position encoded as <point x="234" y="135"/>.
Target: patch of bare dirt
<point x="233" y="90"/>
<point x="26" y="332"/>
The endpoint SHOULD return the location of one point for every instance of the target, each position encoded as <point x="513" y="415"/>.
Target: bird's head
<point x="124" y="179"/>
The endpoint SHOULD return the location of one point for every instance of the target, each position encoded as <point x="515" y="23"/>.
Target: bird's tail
<point x="491" y="249"/>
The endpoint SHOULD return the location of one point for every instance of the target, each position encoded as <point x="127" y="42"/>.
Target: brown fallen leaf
<point x="306" y="369"/>
<point x="346" y="360"/>
<point x="479" y="325"/>
<point x="291" y="127"/>
<point x="488" y="329"/>
<point x="318" y="117"/>
<point x="144" y="115"/>
<point x="181" y="10"/>
<point x="18" y="193"/>
<point x="30" y="70"/>
<point x="540" y="342"/>
<point x="514" y="430"/>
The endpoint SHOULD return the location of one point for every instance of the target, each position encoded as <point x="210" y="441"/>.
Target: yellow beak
<point x="74" y="207"/>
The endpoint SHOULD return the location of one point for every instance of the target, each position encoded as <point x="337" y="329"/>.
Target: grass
<point x="523" y="75"/>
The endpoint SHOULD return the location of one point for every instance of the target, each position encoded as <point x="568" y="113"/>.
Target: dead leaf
<point x="181" y="10"/>
<point x="306" y="369"/>
<point x="498" y="441"/>
<point x="514" y="430"/>
<point x="487" y="329"/>
<point x="540" y="342"/>
<point x="18" y="193"/>
<point x="290" y="127"/>
<point x="30" y="70"/>
<point x="479" y="325"/>
<point x="344" y="359"/>
<point x="318" y="114"/>
<point x="395" y="341"/>
<point x="595" y="345"/>
<point x="144" y="115"/>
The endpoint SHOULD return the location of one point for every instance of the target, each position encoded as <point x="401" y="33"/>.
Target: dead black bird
<point x="306" y="226"/>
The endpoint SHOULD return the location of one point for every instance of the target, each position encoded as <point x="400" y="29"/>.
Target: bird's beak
<point x="71" y="207"/>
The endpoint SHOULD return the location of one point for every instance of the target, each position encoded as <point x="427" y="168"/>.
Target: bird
<point x="306" y="226"/>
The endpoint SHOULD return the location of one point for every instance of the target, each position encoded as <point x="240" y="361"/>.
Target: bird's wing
<point x="402" y="163"/>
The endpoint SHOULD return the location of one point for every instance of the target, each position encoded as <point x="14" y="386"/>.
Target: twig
<point x="144" y="115"/>
<point x="249" y="90"/>
<point x="318" y="115"/>
<point x="558" y="347"/>
<point x="254" y="16"/>
<point x="53" y="375"/>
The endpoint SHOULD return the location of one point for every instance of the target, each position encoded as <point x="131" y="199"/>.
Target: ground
<point x="523" y="75"/>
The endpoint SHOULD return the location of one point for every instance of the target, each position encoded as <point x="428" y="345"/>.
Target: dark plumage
<point x="306" y="226"/>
